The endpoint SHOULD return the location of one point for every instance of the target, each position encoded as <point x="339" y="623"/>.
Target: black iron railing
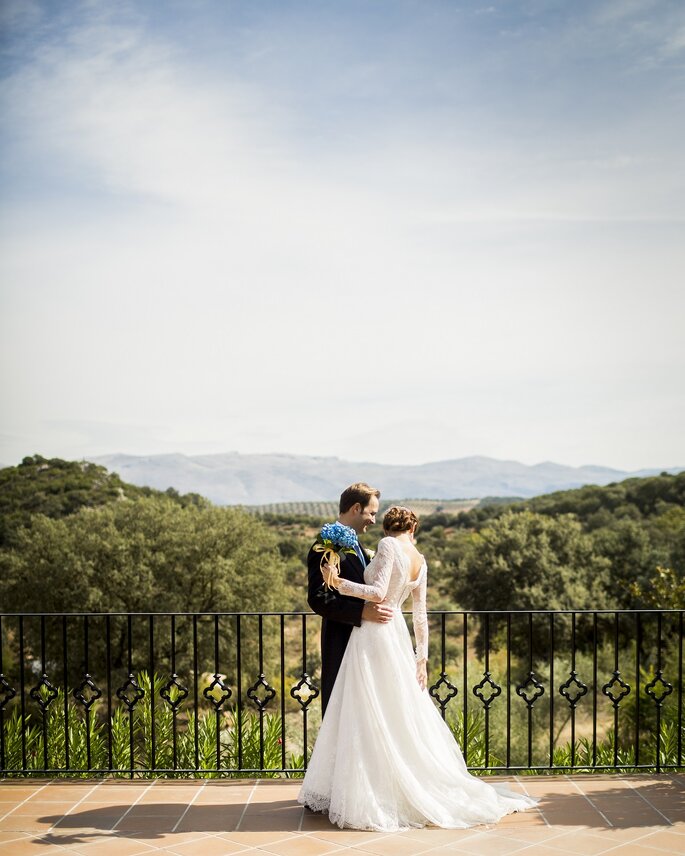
<point x="150" y="694"/>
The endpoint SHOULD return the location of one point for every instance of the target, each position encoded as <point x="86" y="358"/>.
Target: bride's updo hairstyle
<point x="399" y="519"/>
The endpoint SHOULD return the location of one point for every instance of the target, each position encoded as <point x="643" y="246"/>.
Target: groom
<point x="358" y="509"/>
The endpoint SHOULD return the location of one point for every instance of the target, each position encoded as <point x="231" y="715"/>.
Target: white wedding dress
<point x="384" y="759"/>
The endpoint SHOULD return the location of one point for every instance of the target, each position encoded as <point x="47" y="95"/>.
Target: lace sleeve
<point x="378" y="571"/>
<point x="420" y="619"/>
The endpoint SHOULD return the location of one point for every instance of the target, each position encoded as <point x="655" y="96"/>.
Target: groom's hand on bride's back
<point x="379" y="612"/>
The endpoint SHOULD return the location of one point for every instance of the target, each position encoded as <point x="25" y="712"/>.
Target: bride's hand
<point x="422" y="674"/>
<point x="330" y="577"/>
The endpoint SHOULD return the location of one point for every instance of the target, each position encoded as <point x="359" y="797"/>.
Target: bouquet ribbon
<point x="329" y="557"/>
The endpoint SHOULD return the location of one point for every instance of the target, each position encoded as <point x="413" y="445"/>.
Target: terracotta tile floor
<point x="580" y="815"/>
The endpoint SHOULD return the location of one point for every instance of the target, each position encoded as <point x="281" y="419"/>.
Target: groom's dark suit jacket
<point x="339" y="613"/>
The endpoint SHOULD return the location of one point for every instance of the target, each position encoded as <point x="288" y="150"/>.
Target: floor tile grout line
<point x="39" y="838"/>
<point x="218" y="837"/>
<point x="245" y="807"/>
<point x="512" y="836"/>
<point x="336" y="848"/>
<point x="345" y="848"/>
<point x="429" y="851"/>
<point x="167" y="848"/>
<point x="536" y="843"/>
<point x="517" y="778"/>
<point x="135" y="802"/>
<point x="19" y="833"/>
<point x="18" y="805"/>
<point x="187" y="808"/>
<point x="377" y="838"/>
<point x="499" y="833"/>
<point x="359" y="848"/>
<point x="643" y="797"/>
<point x="290" y="835"/>
<point x="542" y="815"/>
<point x="478" y="834"/>
<point x="631" y="842"/>
<point x="78" y="802"/>
<point x="656" y="847"/>
<point x="586" y="797"/>
<point x="162" y="847"/>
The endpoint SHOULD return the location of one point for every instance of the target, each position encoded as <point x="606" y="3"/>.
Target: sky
<point x="397" y="231"/>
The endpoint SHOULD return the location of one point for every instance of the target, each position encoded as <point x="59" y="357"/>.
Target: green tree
<point x="530" y="561"/>
<point x="148" y="554"/>
<point x="667" y="532"/>
<point x="664" y="590"/>
<point x="627" y="546"/>
<point x="57" y="488"/>
<point x="527" y="561"/>
<point x="145" y="555"/>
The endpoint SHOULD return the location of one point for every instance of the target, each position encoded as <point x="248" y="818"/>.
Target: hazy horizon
<point x="274" y="453"/>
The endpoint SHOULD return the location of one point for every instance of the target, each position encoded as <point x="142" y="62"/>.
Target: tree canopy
<point x="74" y="537"/>
<point x="141" y="555"/>
<point x="632" y="527"/>
<point x="57" y="488"/>
<point x="533" y="561"/>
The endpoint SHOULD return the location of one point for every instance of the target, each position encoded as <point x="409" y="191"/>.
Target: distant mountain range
<point x="235" y="479"/>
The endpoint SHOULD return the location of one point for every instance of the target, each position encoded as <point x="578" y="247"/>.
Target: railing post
<point x="282" y="677"/>
<point x="22" y="689"/>
<point x="594" y="689"/>
<point x="65" y="678"/>
<point x="658" y="706"/>
<point x="680" y="690"/>
<point x="196" y="677"/>
<point x="239" y="719"/>
<point x="638" y="644"/>
<point x="508" y="689"/>
<point x="551" y="690"/>
<point x="2" y="706"/>
<point x="465" y="729"/>
<point x="151" y="649"/>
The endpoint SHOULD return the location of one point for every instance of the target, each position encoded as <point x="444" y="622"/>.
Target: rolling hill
<point x="236" y="479"/>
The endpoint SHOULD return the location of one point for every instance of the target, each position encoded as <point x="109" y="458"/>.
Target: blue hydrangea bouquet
<point x="334" y="540"/>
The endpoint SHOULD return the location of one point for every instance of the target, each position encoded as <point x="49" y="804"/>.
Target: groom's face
<point x="366" y="516"/>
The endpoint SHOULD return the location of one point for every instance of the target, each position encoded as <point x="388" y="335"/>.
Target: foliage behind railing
<point x="514" y="700"/>
<point x="202" y="749"/>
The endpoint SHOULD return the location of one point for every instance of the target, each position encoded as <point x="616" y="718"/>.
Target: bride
<point x="384" y="758"/>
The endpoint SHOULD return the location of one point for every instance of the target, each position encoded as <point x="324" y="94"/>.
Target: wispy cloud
<point x="209" y="214"/>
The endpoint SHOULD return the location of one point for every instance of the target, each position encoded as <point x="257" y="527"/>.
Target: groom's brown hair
<point x="359" y="492"/>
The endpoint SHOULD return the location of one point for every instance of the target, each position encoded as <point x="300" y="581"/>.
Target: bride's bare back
<point x="415" y="558"/>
